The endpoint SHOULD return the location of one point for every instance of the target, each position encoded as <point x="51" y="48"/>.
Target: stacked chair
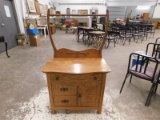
<point x="129" y="32"/>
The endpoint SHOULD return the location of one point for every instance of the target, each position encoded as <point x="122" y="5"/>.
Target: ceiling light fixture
<point x="143" y="7"/>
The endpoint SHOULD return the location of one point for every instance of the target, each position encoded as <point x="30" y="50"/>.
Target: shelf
<point x="32" y="13"/>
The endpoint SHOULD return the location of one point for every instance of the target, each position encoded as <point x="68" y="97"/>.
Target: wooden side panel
<point x="50" y="93"/>
<point x="102" y="93"/>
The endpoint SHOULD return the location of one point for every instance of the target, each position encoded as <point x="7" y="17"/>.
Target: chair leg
<point x="6" y="50"/>
<point x="124" y="41"/>
<point x="155" y="90"/>
<point x="130" y="78"/>
<point x="108" y="43"/>
<point x="124" y="82"/>
<point x="150" y="94"/>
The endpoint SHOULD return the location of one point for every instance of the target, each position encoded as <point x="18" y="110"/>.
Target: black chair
<point x="151" y="30"/>
<point x="137" y="34"/>
<point x="125" y="34"/>
<point x="153" y="89"/>
<point x="112" y="37"/>
<point x="155" y="49"/>
<point x="156" y="54"/>
<point x="141" y="68"/>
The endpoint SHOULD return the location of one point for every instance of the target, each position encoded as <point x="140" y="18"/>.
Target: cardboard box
<point x="20" y="42"/>
<point x="34" y="40"/>
<point x="21" y="39"/>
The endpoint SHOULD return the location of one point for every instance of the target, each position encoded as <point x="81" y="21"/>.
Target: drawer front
<point x="64" y="90"/>
<point x="91" y="78"/>
<point x="65" y="101"/>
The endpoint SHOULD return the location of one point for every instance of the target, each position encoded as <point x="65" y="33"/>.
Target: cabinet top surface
<point x="76" y="65"/>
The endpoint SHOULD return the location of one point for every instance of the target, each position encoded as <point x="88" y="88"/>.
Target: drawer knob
<point x="57" y="78"/>
<point x="95" y="78"/>
<point x="64" y="101"/>
<point x="64" y="89"/>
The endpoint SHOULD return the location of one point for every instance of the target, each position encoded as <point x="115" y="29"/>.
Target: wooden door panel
<point x="89" y="95"/>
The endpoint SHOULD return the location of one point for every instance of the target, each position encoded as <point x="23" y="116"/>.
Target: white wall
<point x="157" y="11"/>
<point x="79" y="1"/>
<point x="19" y="13"/>
<point x="135" y="11"/>
<point x="62" y="8"/>
<point x="101" y="9"/>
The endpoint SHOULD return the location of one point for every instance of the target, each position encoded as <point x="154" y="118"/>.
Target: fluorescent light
<point x="143" y="7"/>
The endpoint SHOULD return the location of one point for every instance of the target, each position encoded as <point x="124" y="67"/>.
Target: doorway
<point x="8" y="24"/>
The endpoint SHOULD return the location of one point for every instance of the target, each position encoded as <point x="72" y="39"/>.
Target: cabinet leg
<point x="99" y="111"/>
<point x="53" y="111"/>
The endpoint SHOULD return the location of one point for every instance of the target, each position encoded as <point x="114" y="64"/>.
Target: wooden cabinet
<point x="53" y="29"/>
<point x="145" y="16"/>
<point x="76" y="90"/>
<point x="78" y="86"/>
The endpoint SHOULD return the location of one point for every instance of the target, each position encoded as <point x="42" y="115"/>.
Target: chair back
<point x="140" y="66"/>
<point x="155" y="50"/>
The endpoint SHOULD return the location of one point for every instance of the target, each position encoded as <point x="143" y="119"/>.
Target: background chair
<point x="141" y="68"/>
<point x="155" y="49"/>
<point x="153" y="89"/>
<point x="112" y="37"/>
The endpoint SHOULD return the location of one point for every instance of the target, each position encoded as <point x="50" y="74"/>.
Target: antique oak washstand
<point x="76" y="79"/>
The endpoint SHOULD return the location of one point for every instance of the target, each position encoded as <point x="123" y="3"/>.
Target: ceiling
<point x="108" y="2"/>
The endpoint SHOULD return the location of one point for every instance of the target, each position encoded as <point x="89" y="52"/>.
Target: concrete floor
<point x="22" y="81"/>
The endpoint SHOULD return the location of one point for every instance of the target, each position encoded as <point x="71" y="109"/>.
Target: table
<point x="44" y="28"/>
<point x="84" y="30"/>
<point x="97" y="34"/>
<point x="3" y="40"/>
<point x="76" y="83"/>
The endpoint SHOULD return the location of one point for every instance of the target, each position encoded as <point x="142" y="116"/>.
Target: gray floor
<point x="21" y="79"/>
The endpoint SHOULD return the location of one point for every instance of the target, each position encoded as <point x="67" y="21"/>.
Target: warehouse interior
<point x="26" y="49"/>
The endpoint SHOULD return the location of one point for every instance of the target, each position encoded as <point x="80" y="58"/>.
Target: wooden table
<point x="83" y="29"/>
<point x="97" y="34"/>
<point x="76" y="83"/>
<point x="3" y="40"/>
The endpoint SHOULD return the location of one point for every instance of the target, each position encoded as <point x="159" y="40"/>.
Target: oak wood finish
<point x="76" y="83"/>
<point x="76" y="79"/>
<point x="88" y="52"/>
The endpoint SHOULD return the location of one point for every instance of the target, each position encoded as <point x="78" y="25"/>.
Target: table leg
<point x="44" y="32"/>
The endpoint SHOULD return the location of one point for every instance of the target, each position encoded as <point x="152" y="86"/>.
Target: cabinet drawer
<point x="64" y="90"/>
<point x="64" y="101"/>
<point x="77" y="78"/>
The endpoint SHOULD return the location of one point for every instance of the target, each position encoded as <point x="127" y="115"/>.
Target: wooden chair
<point x="141" y="68"/>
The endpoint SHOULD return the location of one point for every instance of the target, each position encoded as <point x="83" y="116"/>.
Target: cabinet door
<point x="89" y="95"/>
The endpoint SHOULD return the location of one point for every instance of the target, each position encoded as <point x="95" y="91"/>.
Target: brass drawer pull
<point x="63" y="89"/>
<point x="64" y="101"/>
<point x="95" y="78"/>
<point x="57" y="78"/>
